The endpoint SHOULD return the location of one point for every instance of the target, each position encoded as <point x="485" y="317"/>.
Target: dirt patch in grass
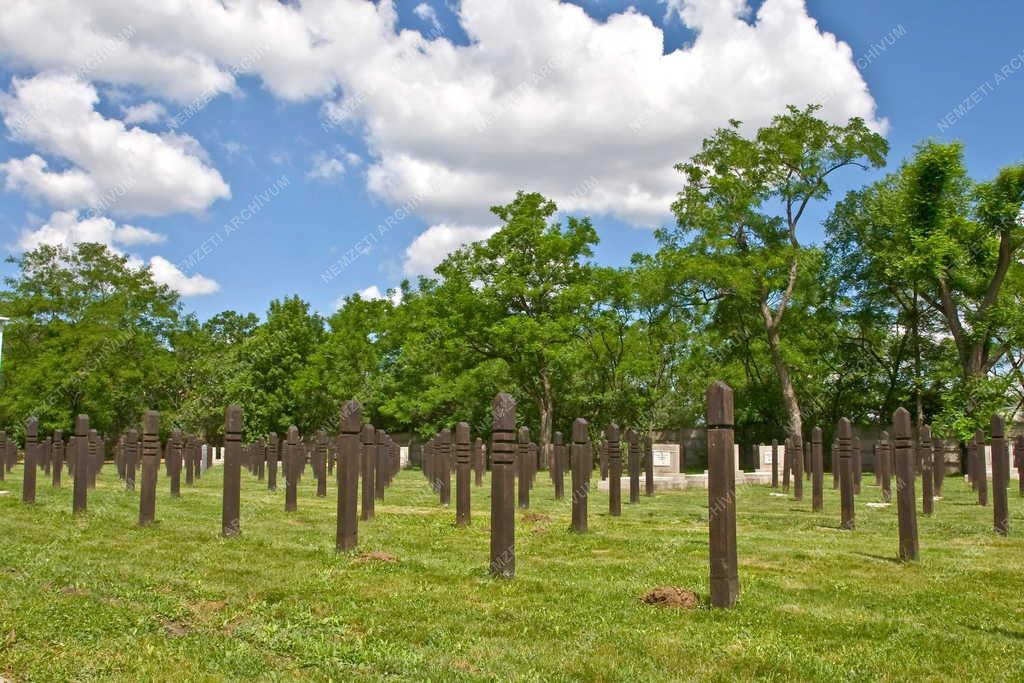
<point x="176" y="629"/>
<point x="535" y="517"/>
<point x="671" y="596"/>
<point x="206" y="607"/>
<point x="72" y="590"/>
<point x="376" y="556"/>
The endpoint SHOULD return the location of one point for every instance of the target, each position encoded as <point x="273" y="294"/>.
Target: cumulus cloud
<point x="146" y="112"/>
<point x="166" y="273"/>
<point x="127" y="171"/>
<point x="436" y="242"/>
<point x="325" y="168"/>
<point x="427" y="13"/>
<point x="65" y="228"/>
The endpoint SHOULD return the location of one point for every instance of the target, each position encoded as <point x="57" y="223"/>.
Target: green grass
<point x="95" y="597"/>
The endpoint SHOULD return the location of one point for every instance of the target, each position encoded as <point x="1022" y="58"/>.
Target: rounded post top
<point x="998" y="427"/>
<point x="503" y="412"/>
<point x="844" y="430"/>
<point x="368" y="434"/>
<point x="58" y="434"/>
<point x="351" y="416"/>
<point x="272" y="437"/>
<point x="719" y="405"/>
<point x="131" y="435"/>
<point x="580" y="433"/>
<point x="901" y="423"/>
<point x="816" y="435"/>
<point x="32" y="427"/>
<point x="979" y="437"/>
<point x="557" y="438"/>
<point x="462" y="432"/>
<point x="884" y="436"/>
<point x="293" y="435"/>
<point x="445" y="436"/>
<point x="151" y="422"/>
<point x="233" y="419"/>
<point x="611" y="433"/>
<point x="523" y="435"/>
<point x="382" y="436"/>
<point x="479" y="441"/>
<point x="925" y="434"/>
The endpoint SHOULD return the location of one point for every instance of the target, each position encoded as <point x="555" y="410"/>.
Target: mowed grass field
<point x="97" y="598"/>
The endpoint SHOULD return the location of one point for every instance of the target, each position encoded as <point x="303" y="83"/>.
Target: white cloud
<point x="127" y="171"/>
<point x="458" y="128"/>
<point x="426" y="13"/>
<point x="436" y="242"/>
<point x="166" y="273"/>
<point x="65" y="228"/>
<point x="147" y="112"/>
<point x="325" y="168"/>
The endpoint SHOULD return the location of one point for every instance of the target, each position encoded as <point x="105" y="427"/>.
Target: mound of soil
<point x="671" y="596"/>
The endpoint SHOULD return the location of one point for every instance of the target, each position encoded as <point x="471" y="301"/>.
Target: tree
<point x="738" y="213"/>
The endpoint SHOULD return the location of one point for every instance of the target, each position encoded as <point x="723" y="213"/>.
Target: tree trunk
<point x="795" y="427"/>
<point x="546" y="409"/>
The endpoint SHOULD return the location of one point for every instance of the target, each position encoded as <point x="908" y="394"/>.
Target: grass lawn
<point x="95" y="597"/>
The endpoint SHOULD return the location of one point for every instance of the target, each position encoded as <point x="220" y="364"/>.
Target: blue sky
<point x="309" y="188"/>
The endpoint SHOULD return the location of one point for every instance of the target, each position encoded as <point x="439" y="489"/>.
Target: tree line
<point x="915" y="298"/>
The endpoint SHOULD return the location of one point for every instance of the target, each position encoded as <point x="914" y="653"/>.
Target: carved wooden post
<point x="462" y="474"/>
<point x="980" y="470"/>
<point x="78" y="455"/>
<point x="3" y="454"/>
<point x="786" y="464"/>
<point x="614" y="455"/>
<point x="1000" y="476"/>
<point x="150" y="465"/>
<point x="835" y="464"/>
<point x="93" y="465"/>
<point x="259" y="454"/>
<point x="856" y="463"/>
<point x="58" y="457"/>
<point x="478" y="462"/>
<point x="582" y="466"/>
<point x="775" y="463"/>
<point x="320" y="448"/>
<point x="903" y="461"/>
<point x="876" y="464"/>
<point x="885" y="455"/>
<point x="368" y="459"/>
<point x="924" y="457"/>
<point x="557" y="462"/>
<point x="381" y="464"/>
<point x="634" y="465"/>
<point x="797" y="443"/>
<point x="174" y="455"/>
<point x="603" y="459"/>
<point x="503" y="449"/>
<point x="444" y="468"/>
<point x="28" y="480"/>
<point x="938" y="464"/>
<point x="230" y="523"/>
<point x="272" y="450"/>
<point x="648" y="466"/>
<point x="845" y="434"/>
<point x="348" y="476"/>
<point x="1018" y="454"/>
<point x="292" y="456"/>
<point x="531" y="457"/>
<point x="817" y="471"/>
<point x="523" y="457"/>
<point x="190" y="459"/>
<point x="725" y="583"/>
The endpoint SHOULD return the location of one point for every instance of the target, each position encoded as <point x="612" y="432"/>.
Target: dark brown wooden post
<point x="92" y="465"/>
<point x="348" y="476"/>
<point x="259" y="454"/>
<point x="190" y="459"/>
<point x="292" y="456"/>
<point x="80" y="475"/>
<point x="924" y="457"/>
<point x="320" y="448"/>
<point x="272" y="450"/>
<point x="28" y="480"/>
<point x="174" y="456"/>
<point x="478" y="462"/>
<point x="797" y="443"/>
<point x="131" y="459"/>
<point x="972" y="463"/>
<point x="381" y="472"/>
<point x="648" y="466"/>
<point x="503" y="450"/>
<point x="980" y="469"/>
<point x="533" y="465"/>
<point x="876" y="464"/>
<point x="523" y="458"/>
<point x="634" y="465"/>
<point x="3" y="454"/>
<point x="885" y="455"/>
<point x="1018" y="454"/>
<point x="368" y="459"/>
<point x="903" y="461"/>
<point x="817" y="471"/>
<point x="462" y="474"/>
<point x="787" y="466"/>
<point x="582" y="465"/>
<point x="230" y="523"/>
<point x="845" y="433"/>
<point x="1000" y="476"/>
<point x="444" y="469"/>
<point x="603" y="460"/>
<point x="938" y="464"/>
<point x="557" y="466"/>
<point x="58" y="457"/>
<point x="614" y="454"/>
<point x="725" y="583"/>
<point x="775" y="463"/>
<point x="835" y="464"/>
<point x="150" y="466"/>
<point x="856" y="461"/>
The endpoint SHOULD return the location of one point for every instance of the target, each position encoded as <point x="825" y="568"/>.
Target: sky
<point x="245" y="150"/>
